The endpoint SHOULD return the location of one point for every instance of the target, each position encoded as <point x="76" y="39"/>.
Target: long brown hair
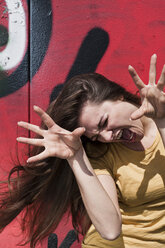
<point x="47" y="189"/>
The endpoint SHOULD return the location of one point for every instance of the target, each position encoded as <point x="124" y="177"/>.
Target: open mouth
<point x="126" y="135"/>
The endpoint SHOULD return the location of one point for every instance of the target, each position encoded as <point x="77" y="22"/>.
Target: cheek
<point x="138" y="128"/>
<point x="127" y="109"/>
<point x="123" y="113"/>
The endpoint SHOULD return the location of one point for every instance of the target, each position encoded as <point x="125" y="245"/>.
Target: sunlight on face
<point x="109" y="121"/>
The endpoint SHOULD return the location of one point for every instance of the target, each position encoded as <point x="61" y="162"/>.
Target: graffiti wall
<point x="43" y="43"/>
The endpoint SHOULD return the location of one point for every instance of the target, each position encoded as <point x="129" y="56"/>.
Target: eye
<point x="104" y="123"/>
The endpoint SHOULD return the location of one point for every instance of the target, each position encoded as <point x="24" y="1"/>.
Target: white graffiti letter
<point x="12" y="55"/>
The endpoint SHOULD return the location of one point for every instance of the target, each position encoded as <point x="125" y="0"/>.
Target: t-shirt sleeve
<point x="101" y="167"/>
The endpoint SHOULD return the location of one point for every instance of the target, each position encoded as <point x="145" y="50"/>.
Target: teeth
<point x="119" y="135"/>
<point x="131" y="136"/>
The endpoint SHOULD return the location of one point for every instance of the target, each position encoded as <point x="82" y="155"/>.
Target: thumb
<point x="138" y="113"/>
<point x="79" y="131"/>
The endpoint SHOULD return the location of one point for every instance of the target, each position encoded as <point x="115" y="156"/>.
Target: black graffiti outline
<point x="69" y="239"/>
<point x="91" y="51"/>
<point x="40" y="13"/>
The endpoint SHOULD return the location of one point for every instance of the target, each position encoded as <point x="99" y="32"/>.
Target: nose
<point x="106" y="136"/>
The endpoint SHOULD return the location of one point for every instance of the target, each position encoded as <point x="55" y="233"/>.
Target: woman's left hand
<point x="152" y="95"/>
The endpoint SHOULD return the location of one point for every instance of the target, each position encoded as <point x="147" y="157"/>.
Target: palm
<point x="152" y="95"/>
<point x="57" y="141"/>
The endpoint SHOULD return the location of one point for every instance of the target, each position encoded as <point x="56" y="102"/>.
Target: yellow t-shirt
<point x="140" y="182"/>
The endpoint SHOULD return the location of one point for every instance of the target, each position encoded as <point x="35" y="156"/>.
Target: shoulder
<point x="100" y="157"/>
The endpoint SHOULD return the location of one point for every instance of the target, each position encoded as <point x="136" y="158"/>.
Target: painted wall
<point x="43" y="43"/>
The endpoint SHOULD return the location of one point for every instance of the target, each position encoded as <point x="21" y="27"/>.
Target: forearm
<point x="160" y="123"/>
<point x="98" y="203"/>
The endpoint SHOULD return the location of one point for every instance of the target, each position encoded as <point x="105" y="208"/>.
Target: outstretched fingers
<point x="30" y="141"/>
<point x="143" y="110"/>
<point x="31" y="127"/>
<point x="37" y="158"/>
<point x="78" y="132"/>
<point x="161" y="81"/>
<point x="138" y="113"/>
<point x="152" y="71"/>
<point x="138" y="82"/>
<point x="48" y="121"/>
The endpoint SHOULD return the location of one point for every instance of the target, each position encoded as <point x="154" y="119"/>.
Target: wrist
<point x="77" y="155"/>
<point x="79" y="163"/>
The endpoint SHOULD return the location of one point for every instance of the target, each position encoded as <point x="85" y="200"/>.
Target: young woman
<point x="100" y="154"/>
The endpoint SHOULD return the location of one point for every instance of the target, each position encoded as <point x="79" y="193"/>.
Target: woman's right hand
<point x="57" y="141"/>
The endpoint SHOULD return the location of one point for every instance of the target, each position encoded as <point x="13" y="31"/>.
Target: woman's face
<point x="110" y="121"/>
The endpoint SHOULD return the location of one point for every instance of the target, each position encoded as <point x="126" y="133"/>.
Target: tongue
<point x="126" y="134"/>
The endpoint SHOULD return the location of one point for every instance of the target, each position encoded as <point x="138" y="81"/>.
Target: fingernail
<point x="35" y="107"/>
<point x="130" y="67"/>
